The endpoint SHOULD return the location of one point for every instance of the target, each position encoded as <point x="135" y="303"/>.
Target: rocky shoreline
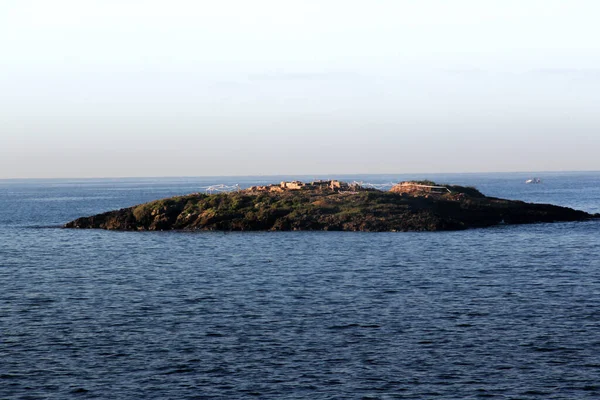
<point x="330" y="205"/>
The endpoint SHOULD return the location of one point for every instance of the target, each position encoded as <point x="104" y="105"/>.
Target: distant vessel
<point x="533" y="180"/>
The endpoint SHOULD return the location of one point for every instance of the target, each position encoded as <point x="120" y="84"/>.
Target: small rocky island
<point x="331" y="205"/>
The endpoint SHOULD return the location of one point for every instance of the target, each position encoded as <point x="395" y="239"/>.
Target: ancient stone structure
<point x="322" y="185"/>
<point x="416" y="189"/>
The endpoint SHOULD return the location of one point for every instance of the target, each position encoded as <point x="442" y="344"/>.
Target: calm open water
<point x="511" y="312"/>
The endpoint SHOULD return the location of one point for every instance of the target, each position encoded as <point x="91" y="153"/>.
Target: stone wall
<point x="414" y="188"/>
<point x="322" y="185"/>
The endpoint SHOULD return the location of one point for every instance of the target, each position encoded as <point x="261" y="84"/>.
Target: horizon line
<point x="297" y="174"/>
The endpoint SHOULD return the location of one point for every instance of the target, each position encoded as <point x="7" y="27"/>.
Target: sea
<point x="508" y="312"/>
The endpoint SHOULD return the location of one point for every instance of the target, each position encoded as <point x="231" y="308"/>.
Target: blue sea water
<point x="510" y="312"/>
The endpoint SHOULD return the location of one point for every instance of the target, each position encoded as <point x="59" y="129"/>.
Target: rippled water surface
<point x="511" y="312"/>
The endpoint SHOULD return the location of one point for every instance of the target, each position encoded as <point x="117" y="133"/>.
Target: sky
<point x="132" y="88"/>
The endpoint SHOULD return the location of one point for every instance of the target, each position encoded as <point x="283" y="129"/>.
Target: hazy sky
<point x="100" y="88"/>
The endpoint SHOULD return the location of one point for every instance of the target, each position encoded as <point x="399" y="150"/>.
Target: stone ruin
<point x="419" y="189"/>
<point x="410" y="188"/>
<point x="321" y="185"/>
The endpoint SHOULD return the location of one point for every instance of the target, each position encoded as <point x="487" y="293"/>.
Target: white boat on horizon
<point x="533" y="180"/>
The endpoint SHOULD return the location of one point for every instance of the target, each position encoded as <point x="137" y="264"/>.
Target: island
<point x="330" y="205"/>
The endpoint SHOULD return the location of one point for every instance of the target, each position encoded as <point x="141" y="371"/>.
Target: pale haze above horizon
<point x="133" y="88"/>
